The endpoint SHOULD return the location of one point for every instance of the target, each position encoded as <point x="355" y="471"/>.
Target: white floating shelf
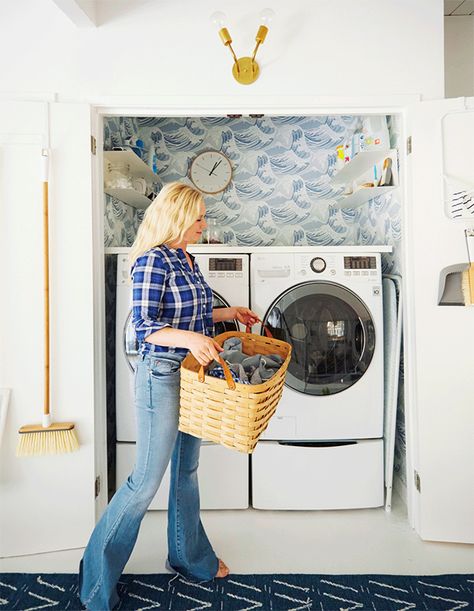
<point x="226" y="249"/>
<point x="130" y="197"/>
<point x="361" y="196"/>
<point x="138" y="168"/>
<point x="357" y="166"/>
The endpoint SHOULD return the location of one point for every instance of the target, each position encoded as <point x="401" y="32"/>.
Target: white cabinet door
<point x="47" y="502"/>
<point x="440" y="339"/>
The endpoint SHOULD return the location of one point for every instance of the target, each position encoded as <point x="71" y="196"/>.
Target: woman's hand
<point x="245" y="316"/>
<point x="203" y="348"/>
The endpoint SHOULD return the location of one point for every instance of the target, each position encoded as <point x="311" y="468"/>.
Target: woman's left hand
<point x="245" y="316"/>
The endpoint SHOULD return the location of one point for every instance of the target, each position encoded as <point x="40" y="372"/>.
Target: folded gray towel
<point x="233" y="356"/>
<point x="268" y="365"/>
<point x="255" y="369"/>
<point x="238" y="370"/>
<point x="233" y="343"/>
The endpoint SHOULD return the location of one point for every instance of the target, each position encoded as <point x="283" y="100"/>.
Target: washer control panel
<point x="310" y="266"/>
<point x="337" y="266"/>
<point x="360" y="262"/>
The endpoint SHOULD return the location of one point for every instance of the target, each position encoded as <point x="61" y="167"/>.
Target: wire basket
<point x="228" y="412"/>
<point x="459" y="197"/>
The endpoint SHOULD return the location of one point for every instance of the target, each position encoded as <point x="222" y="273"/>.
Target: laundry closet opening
<point x="307" y="231"/>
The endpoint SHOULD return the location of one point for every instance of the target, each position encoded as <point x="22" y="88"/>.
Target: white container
<point x="118" y="175"/>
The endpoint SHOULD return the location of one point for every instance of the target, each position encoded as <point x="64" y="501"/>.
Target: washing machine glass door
<point x="332" y="334"/>
<point x="130" y="342"/>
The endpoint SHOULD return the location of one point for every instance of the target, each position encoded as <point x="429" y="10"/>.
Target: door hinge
<point x="97" y="486"/>
<point x="93" y="145"/>
<point x="409" y="145"/>
<point x="417" y="481"/>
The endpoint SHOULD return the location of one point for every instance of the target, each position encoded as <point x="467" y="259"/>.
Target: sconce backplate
<point x="246" y="70"/>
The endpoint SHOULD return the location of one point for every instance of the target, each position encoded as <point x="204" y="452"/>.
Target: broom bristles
<point x="56" y="439"/>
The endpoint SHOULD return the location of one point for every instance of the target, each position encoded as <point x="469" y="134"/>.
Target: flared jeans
<point x="158" y="440"/>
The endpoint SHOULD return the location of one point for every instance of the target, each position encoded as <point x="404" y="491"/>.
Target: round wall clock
<point x="211" y="172"/>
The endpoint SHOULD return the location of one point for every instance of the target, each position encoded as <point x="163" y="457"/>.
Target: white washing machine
<point x="223" y="473"/>
<point x="323" y="449"/>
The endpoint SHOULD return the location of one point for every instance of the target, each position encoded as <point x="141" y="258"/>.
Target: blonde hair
<point x="167" y="218"/>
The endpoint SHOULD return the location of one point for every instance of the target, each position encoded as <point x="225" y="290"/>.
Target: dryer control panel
<point x="227" y="275"/>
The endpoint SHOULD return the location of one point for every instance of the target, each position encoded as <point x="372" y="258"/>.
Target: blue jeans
<point x="158" y="439"/>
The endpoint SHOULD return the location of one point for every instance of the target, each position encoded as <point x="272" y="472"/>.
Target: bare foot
<point x="223" y="569"/>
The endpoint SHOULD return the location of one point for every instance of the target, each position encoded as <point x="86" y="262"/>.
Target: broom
<point x="48" y="437"/>
<point x="468" y="274"/>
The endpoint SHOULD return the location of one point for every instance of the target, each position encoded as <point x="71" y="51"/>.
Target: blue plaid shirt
<point x="167" y="293"/>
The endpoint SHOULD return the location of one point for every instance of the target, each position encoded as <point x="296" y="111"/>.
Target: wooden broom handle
<point x="228" y="376"/>
<point x="46" y="296"/>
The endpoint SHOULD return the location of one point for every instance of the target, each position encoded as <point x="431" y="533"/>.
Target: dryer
<point x="223" y="473"/>
<point x="326" y="448"/>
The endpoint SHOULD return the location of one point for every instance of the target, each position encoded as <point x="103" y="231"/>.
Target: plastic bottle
<point x="375" y="131"/>
<point x="355" y="144"/>
<point x="347" y="151"/>
<point x="152" y="158"/>
<point x="339" y="157"/>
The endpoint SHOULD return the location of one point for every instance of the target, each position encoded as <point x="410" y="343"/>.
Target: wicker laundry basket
<point x="230" y="413"/>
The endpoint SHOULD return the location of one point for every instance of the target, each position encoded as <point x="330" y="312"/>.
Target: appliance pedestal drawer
<point x="223" y="477"/>
<point x="318" y="475"/>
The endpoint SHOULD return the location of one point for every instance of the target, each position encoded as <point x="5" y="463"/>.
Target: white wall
<point x="459" y="56"/>
<point x="46" y="502"/>
<point x="340" y="47"/>
<point x="444" y="456"/>
<point x="329" y="47"/>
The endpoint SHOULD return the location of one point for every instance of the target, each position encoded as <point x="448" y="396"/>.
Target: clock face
<point x="211" y="172"/>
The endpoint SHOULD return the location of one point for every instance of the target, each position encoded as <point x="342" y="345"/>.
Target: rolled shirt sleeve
<point x="149" y="279"/>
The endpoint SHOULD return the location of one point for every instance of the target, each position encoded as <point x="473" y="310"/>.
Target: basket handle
<point x="248" y="329"/>
<point x="228" y="376"/>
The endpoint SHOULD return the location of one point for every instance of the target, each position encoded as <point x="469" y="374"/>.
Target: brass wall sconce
<point x="245" y="69"/>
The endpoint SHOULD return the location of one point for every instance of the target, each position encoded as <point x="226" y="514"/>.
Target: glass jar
<point x="118" y="176"/>
<point x="215" y="234"/>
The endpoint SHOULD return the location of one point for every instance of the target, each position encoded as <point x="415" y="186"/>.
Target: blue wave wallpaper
<point x="279" y="194"/>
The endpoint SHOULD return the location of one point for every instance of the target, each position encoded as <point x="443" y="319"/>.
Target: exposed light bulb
<point x="267" y="15"/>
<point x="218" y="19"/>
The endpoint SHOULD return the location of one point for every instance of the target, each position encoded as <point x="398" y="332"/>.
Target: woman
<point x="172" y="314"/>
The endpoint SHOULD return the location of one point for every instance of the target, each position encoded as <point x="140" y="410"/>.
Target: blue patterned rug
<point x="31" y="592"/>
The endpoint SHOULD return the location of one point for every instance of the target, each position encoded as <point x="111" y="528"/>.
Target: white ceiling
<point x="458" y="7"/>
<point x="84" y="12"/>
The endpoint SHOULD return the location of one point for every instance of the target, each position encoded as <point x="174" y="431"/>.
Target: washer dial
<point x="318" y="265"/>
